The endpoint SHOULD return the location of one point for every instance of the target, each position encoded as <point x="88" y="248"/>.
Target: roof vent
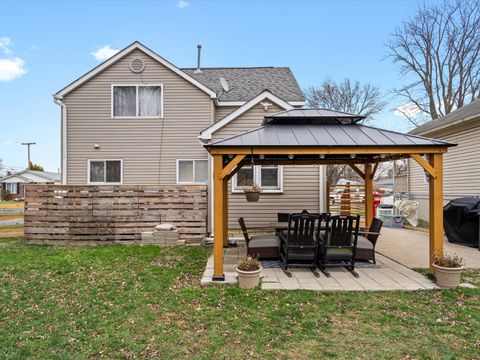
<point x="137" y="65"/>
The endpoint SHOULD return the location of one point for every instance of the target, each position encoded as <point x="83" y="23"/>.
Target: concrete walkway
<point x="410" y="248"/>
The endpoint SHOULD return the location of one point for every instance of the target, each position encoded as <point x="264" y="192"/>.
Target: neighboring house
<point x="15" y="183"/>
<point x="461" y="163"/>
<point x="138" y="119"/>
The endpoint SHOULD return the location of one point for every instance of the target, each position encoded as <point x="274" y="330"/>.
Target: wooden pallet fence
<point x="346" y="199"/>
<point x="112" y="213"/>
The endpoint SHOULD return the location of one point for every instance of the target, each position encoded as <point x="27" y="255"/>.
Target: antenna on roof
<point x="224" y="84"/>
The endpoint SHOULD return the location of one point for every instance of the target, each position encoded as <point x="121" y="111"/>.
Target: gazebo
<point x="321" y="136"/>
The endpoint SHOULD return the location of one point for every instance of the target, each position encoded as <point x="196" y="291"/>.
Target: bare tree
<point x="347" y="96"/>
<point x="439" y="50"/>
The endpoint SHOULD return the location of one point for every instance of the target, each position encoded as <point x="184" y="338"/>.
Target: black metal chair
<point x="340" y="243"/>
<point x="298" y="244"/>
<point x="367" y="239"/>
<point x="261" y="246"/>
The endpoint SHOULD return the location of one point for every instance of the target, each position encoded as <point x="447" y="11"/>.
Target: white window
<point x="192" y="171"/>
<point x="145" y="101"/>
<point x="12" y="188"/>
<point x="268" y="177"/>
<point x="105" y="171"/>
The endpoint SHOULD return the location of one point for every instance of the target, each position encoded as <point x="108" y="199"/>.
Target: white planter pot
<point x="248" y="279"/>
<point x="448" y="278"/>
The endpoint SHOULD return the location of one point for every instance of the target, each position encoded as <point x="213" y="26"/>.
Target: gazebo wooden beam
<point x="424" y="164"/>
<point x="231" y="165"/>
<point x="357" y="170"/>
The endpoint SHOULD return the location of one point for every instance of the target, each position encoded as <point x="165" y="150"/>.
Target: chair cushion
<point x="264" y="241"/>
<point x="339" y="251"/>
<point x="364" y="243"/>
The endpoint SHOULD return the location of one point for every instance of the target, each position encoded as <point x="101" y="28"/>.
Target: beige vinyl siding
<point x="300" y="183"/>
<point x="461" y="166"/>
<point x="223" y="111"/>
<point x="148" y="147"/>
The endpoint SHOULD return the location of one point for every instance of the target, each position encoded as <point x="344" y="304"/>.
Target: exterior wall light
<point x="96" y="146"/>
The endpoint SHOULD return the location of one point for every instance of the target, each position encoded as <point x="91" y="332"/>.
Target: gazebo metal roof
<point x="314" y="135"/>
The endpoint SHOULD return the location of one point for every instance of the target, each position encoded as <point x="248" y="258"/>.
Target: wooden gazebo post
<point x="220" y="211"/>
<point x="368" y="194"/>
<point x="436" y="208"/>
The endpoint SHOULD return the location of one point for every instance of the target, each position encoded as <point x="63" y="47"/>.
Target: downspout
<point x="63" y="147"/>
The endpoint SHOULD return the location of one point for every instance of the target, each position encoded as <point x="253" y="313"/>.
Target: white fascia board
<point x="208" y="132"/>
<point x="136" y="45"/>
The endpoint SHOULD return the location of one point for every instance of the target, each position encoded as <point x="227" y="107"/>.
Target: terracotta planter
<point x="248" y="279"/>
<point x="252" y="195"/>
<point x="448" y="278"/>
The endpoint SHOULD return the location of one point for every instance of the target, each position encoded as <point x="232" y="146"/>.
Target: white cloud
<point x="181" y="4"/>
<point x="5" y="44"/>
<point x="104" y="53"/>
<point x="11" y="69"/>
<point x="8" y="142"/>
<point x="409" y="110"/>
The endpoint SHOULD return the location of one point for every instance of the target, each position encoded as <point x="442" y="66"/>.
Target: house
<point x="15" y="183"/>
<point x="139" y="119"/>
<point x="461" y="163"/>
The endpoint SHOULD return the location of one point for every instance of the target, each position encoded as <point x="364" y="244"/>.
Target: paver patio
<point x="386" y="275"/>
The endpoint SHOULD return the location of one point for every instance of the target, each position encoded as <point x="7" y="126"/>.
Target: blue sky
<point x="46" y="45"/>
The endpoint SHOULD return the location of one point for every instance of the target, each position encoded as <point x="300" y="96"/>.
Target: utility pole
<point x="28" y="144"/>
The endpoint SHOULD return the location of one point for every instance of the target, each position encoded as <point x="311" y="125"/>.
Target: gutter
<point x="63" y="147"/>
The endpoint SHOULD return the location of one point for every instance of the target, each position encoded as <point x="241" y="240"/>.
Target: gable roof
<point x="314" y="135"/>
<point x="245" y="81"/>
<point x="24" y="175"/>
<point x="465" y="113"/>
<point x="122" y="53"/>
<point x="206" y="134"/>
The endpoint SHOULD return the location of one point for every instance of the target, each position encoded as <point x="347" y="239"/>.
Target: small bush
<point x="6" y="196"/>
<point x="448" y="260"/>
<point x="248" y="264"/>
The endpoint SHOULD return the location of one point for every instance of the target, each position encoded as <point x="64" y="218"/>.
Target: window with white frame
<point x="192" y="171"/>
<point x="105" y="171"/>
<point x="12" y="188"/>
<point x="144" y="101"/>
<point x="268" y="177"/>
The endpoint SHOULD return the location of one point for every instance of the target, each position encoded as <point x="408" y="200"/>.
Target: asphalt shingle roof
<point x="305" y="135"/>
<point x="468" y="111"/>
<point x="246" y="82"/>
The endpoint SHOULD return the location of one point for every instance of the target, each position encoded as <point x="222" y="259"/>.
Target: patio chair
<point x="262" y="246"/>
<point x="367" y="239"/>
<point x="339" y="246"/>
<point x="298" y="244"/>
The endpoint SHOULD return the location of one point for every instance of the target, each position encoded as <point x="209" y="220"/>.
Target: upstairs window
<point x="145" y="101"/>
<point x="268" y="177"/>
<point x="105" y="171"/>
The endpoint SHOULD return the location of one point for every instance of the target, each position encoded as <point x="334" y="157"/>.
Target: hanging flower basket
<point x="252" y="193"/>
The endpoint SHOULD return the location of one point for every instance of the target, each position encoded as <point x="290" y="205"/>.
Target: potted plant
<point x="448" y="270"/>
<point x="252" y="193"/>
<point x="248" y="271"/>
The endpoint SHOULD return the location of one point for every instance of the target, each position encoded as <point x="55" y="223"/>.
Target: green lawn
<point x="146" y="302"/>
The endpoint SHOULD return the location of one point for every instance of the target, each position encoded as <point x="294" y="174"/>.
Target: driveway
<point x="410" y="248"/>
